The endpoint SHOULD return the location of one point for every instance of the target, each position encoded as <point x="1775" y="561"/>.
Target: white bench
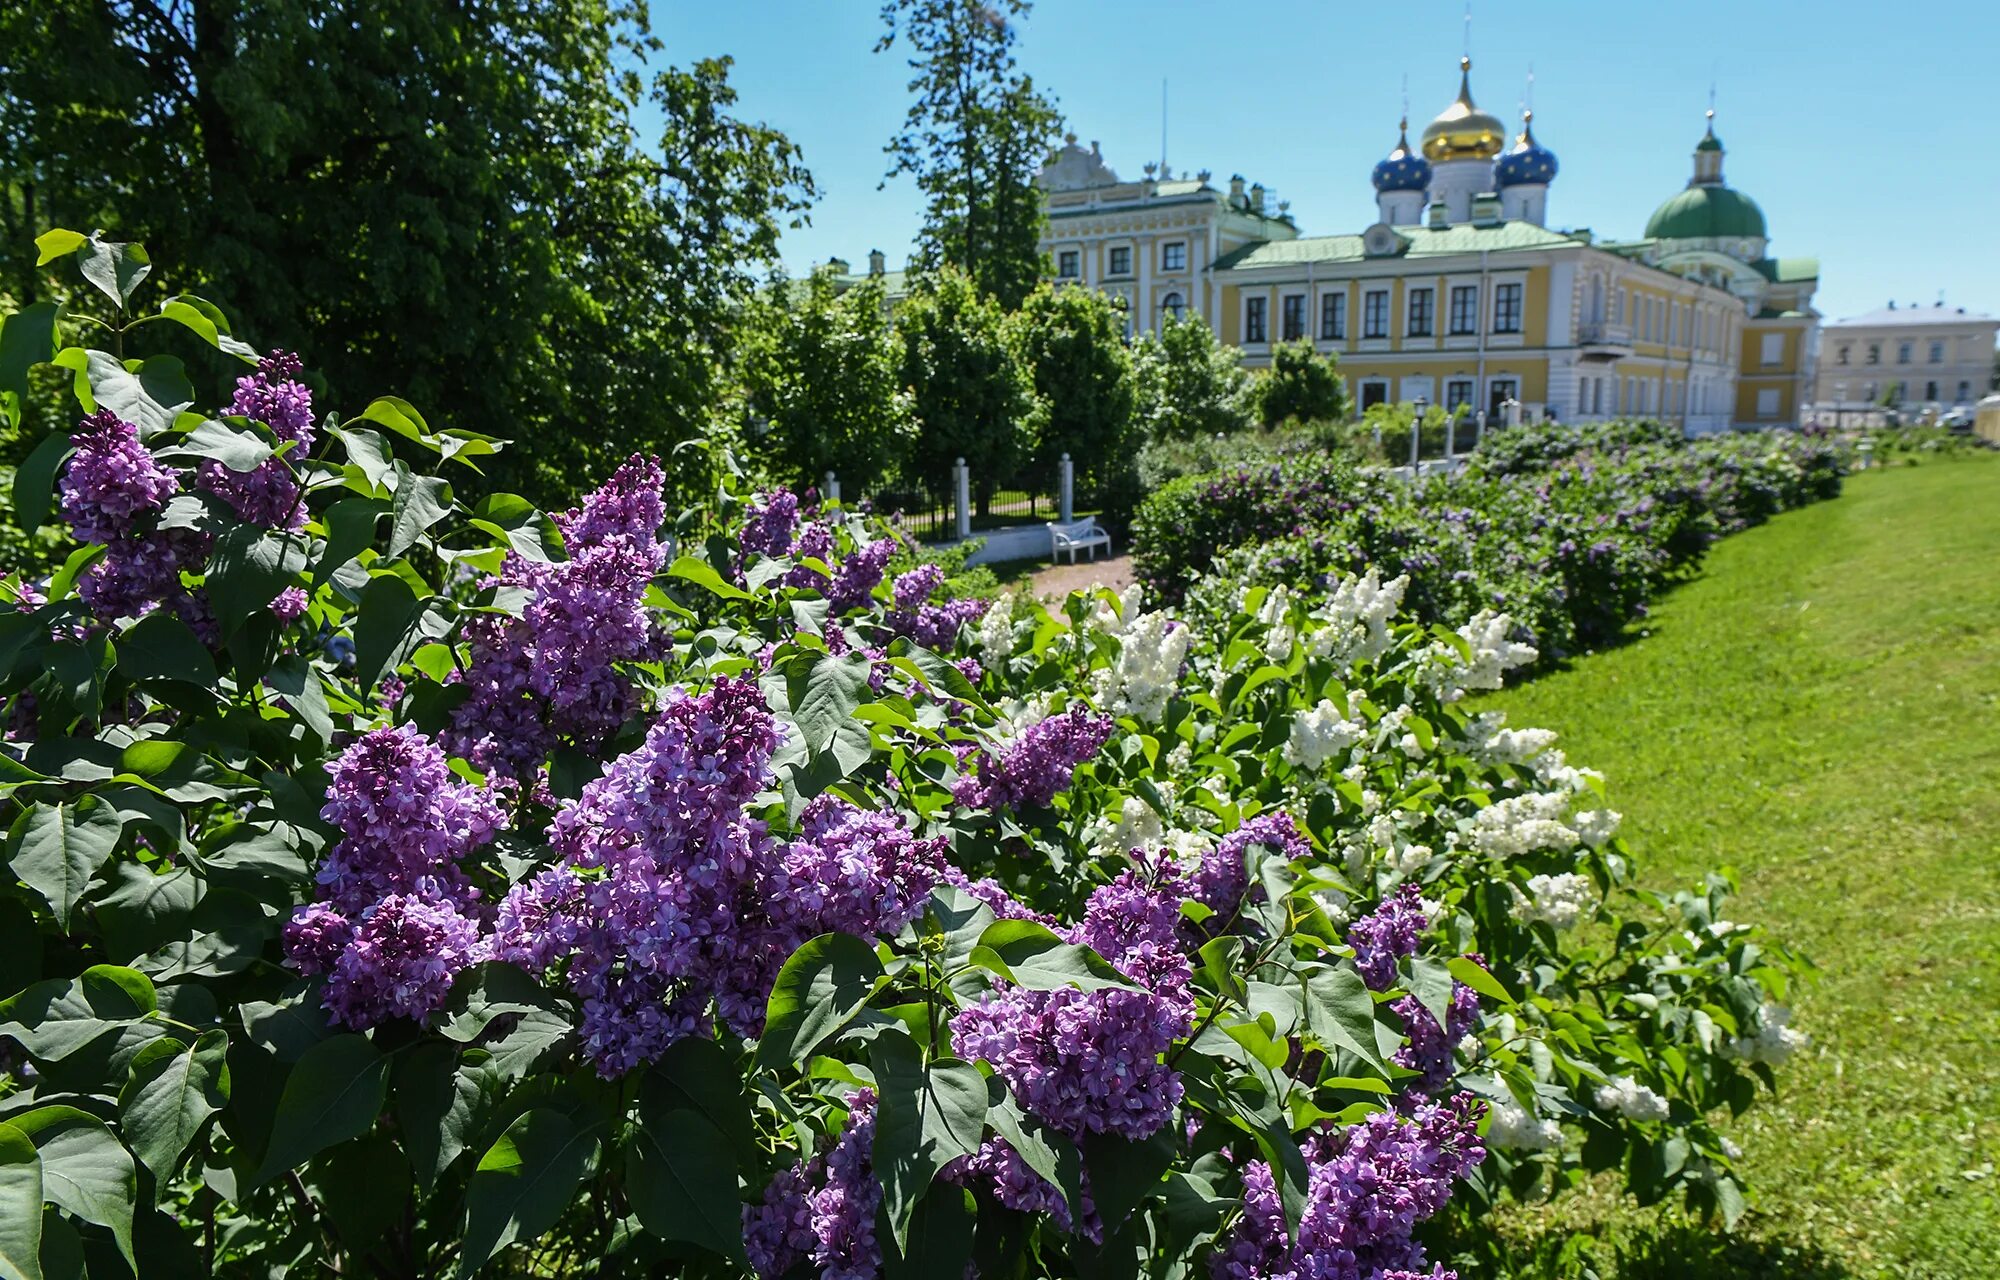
<point x="1078" y="535"/>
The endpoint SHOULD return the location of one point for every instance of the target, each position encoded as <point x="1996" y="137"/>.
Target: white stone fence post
<point x="831" y="491"/>
<point x="1066" y="489"/>
<point x="961" y="476"/>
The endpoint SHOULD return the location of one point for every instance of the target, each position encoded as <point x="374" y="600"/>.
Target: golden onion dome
<point x="1462" y="131"/>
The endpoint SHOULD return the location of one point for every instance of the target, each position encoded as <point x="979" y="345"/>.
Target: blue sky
<point x="1864" y="131"/>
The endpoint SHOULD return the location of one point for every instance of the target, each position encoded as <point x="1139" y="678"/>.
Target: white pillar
<point x="962" y="498"/>
<point x="1450" y="434"/>
<point x="1478" y="427"/>
<point x="1067" y="489"/>
<point x="1416" y="442"/>
<point x="832" y="489"/>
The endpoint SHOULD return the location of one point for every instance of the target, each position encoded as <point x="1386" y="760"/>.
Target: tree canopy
<point x="976" y="134"/>
<point x="972" y="395"/>
<point x="448" y="203"/>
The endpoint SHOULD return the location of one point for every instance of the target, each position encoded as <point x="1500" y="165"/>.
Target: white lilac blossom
<point x="1512" y="1127"/>
<point x="1595" y="826"/>
<point x="1112" y="616"/>
<point x="1356" y="619"/>
<point x="1630" y="1099"/>
<point x="1451" y="674"/>
<point x="1489" y="741"/>
<point x="1147" y="672"/>
<point x="1558" y="901"/>
<point x="1523" y="824"/>
<point x="1320" y="734"/>
<point x="1773" y="1041"/>
<point x="994" y="635"/>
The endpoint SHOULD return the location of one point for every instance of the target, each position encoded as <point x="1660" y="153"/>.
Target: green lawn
<point x="1820" y="709"/>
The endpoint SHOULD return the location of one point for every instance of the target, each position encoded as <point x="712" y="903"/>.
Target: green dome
<point x="1706" y="213"/>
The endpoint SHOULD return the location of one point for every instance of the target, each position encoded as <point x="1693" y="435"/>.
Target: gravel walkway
<point x="1058" y="580"/>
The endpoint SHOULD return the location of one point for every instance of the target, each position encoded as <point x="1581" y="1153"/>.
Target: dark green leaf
<point x="162" y="647"/>
<point x="1430" y="983"/>
<point x="1122" y="1173"/>
<point x="421" y="501"/>
<point x="250" y="567"/>
<point x="1340" y="1010"/>
<point x="173" y="1091"/>
<point x="385" y="627"/>
<point x="1049" y="1154"/>
<point x="207" y="320"/>
<point x="350" y="529"/>
<point x="925" y="1117"/>
<point x="826" y="698"/>
<point x="56" y="849"/>
<point x="84" y="1169"/>
<point x="333" y="1094"/>
<point x="437" y="1106"/>
<point x="233" y="447"/>
<point x="35" y="482"/>
<point x="486" y="991"/>
<point x="697" y="1074"/>
<point x="681" y="1176"/>
<point x="298" y="686"/>
<point x="821" y="987"/>
<point x="940" y="1238"/>
<point x="150" y="399"/>
<point x="27" y="338"/>
<point x="20" y="1204"/>
<point x="1030" y="955"/>
<point x="524" y="1182"/>
<point x="516" y="1053"/>
<point x="116" y="268"/>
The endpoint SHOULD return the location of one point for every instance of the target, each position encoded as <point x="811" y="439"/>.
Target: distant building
<point x="1461" y="293"/>
<point x="1935" y="357"/>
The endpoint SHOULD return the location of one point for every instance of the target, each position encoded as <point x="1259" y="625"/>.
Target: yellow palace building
<point x="1460" y="293"/>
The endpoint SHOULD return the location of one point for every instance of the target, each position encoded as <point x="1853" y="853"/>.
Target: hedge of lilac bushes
<point x="1570" y="530"/>
<point x="406" y="887"/>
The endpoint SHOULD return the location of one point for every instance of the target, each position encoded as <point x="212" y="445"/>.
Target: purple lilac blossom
<point x="918" y="585"/>
<point x="1224" y="875"/>
<point x="267" y="494"/>
<point x="1037" y="764"/>
<point x="858" y="574"/>
<point x="537" y="920"/>
<point x="1368" y="1187"/>
<point x="858" y="871"/>
<point x="400" y="960"/>
<point x="1429" y="1051"/>
<point x="772" y="518"/>
<point x="936" y="626"/>
<point x="778" y="1232"/>
<point x="112" y="479"/>
<point x="1387" y="935"/>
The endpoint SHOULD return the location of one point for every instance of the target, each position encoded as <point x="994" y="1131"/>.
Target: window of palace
<point x="1422" y="308"/>
<point x="1507" y="308"/>
<point x="1964" y="391"/>
<point x="1465" y="309"/>
<point x="1840" y="356"/>
<point x="1903" y="351"/>
<point x="1173" y="257"/>
<point x="1333" y="317"/>
<point x="1457" y="393"/>
<point x="1254" y="320"/>
<point x="1874" y="353"/>
<point x="1937" y="353"/>
<point x="1767" y="403"/>
<point x="1374" y="392"/>
<point x="1069" y="264"/>
<point x="1121" y="261"/>
<point x="1930" y="391"/>
<point x="1173" y="306"/>
<point x="1375" y="314"/>
<point x="1773" y="352"/>
<point x="1498" y="392"/>
<point x="1293" y="316"/>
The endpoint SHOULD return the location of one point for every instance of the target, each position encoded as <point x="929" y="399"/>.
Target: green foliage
<point x="456" y="204"/>
<point x="1189" y="384"/>
<point x="1073" y="342"/>
<point x="971" y="395"/>
<point x="976" y="134"/>
<point x="1302" y="386"/>
<point x="820" y="368"/>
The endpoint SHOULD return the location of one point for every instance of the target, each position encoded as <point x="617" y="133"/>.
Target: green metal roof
<point x="1704" y="213"/>
<point x="1425" y="242"/>
<point x="1787" y="270"/>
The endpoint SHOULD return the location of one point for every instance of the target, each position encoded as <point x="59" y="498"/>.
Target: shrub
<point x="401" y="884"/>
<point x="1301" y="386"/>
<point x="1188" y="384"/>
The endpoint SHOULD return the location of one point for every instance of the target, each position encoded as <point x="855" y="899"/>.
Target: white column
<point x="962" y="498"/>
<point x="831" y="490"/>
<point x="1067" y="489"/>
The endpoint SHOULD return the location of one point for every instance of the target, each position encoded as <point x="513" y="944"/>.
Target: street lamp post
<point x="1417" y="434"/>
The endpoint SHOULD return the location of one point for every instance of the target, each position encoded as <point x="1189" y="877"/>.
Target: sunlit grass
<point x="1820" y="709"/>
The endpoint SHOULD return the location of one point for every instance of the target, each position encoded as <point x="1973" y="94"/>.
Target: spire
<point x="1708" y="154"/>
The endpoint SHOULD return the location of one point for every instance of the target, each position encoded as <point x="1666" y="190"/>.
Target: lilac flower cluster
<point x="1037" y="764"/>
<point x="396" y="920"/>
<point x="858" y="574"/>
<point x="1368" y="1188"/>
<point x="1088" y="1062"/>
<point x="1224" y="875"/>
<point x="772" y="519"/>
<point x="554" y="670"/>
<point x="1429" y="1051"/>
<point x="670" y="895"/>
<point x="823" y="1210"/>
<point x="267" y="494"/>
<point x="111" y="488"/>
<point x="1387" y="935"/>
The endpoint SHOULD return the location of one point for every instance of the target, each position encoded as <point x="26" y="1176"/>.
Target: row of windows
<point x="1419" y="314"/>
<point x="1869" y="391"/>
<point x="1118" y="261"/>
<point x="1599" y="396"/>
<point x="1458" y="393"/>
<point x="1659" y="319"/>
<point x="1905" y="352"/>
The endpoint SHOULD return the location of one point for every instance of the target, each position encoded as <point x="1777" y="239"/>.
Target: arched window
<point x="1173" y="306"/>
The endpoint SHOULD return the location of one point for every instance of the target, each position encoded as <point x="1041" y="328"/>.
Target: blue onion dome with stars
<point x="1403" y="169"/>
<point x="1527" y="160"/>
